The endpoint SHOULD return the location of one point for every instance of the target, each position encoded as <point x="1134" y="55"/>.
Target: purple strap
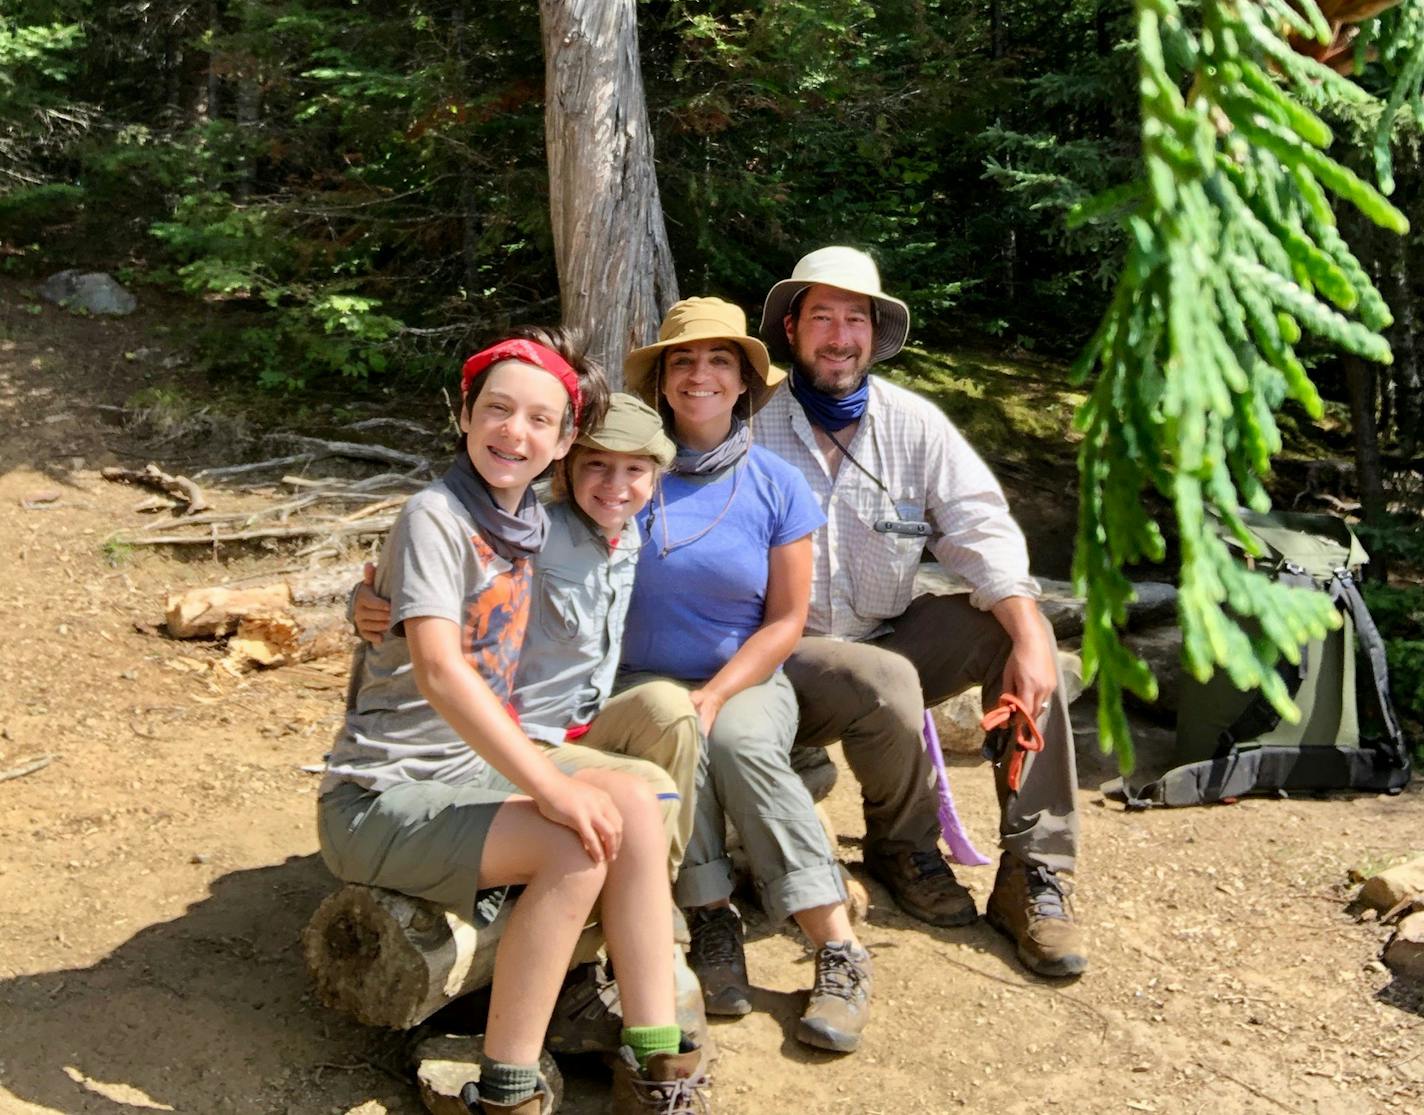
<point x="961" y="851"/>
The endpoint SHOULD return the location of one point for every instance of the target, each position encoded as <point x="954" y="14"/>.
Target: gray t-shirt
<point x="434" y="563"/>
<point x="581" y="594"/>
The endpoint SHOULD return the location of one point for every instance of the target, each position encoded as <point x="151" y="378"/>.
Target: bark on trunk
<point x="391" y="960"/>
<point x="615" y="267"/>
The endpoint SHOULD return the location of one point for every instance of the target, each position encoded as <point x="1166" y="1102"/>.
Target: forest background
<point x="350" y="193"/>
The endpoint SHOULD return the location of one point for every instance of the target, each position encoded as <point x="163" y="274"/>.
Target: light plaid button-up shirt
<point x="863" y="577"/>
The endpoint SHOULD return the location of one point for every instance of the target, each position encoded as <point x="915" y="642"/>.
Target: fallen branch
<point x="27" y="768"/>
<point x="357" y="451"/>
<point x="151" y="476"/>
<point x="324" y="528"/>
<point x="391" y="424"/>
<point x="256" y="466"/>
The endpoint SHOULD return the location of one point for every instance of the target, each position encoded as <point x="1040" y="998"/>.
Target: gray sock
<point x="507" y="1084"/>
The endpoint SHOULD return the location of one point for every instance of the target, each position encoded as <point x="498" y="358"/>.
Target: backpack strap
<point x="1267" y="770"/>
<point x="1346" y="594"/>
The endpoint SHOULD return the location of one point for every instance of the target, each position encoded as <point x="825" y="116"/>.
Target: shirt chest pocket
<point x="882" y="565"/>
<point x="568" y="610"/>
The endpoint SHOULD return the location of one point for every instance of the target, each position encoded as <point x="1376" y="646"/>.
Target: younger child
<point x="434" y="790"/>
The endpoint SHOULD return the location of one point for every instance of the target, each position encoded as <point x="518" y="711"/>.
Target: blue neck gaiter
<point x="825" y="411"/>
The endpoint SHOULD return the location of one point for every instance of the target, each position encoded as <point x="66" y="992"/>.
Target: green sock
<point x="648" y="1041"/>
<point x="507" y="1084"/>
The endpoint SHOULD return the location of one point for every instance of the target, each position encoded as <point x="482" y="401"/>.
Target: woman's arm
<point x="788" y="597"/>
<point x="457" y="692"/>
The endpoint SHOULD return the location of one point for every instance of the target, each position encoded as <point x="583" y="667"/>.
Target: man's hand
<point x="708" y="703"/>
<point x="371" y="613"/>
<point x="588" y="811"/>
<point x="1031" y="673"/>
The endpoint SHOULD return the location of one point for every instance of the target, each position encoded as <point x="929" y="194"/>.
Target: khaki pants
<point x="656" y="723"/>
<point x="872" y="697"/>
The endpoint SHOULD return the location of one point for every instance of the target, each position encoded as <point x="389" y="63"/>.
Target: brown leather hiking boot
<point x="1030" y="906"/>
<point x="923" y="885"/>
<point x="717" y="957"/>
<point x="540" y="1103"/>
<point x="672" y="1084"/>
<point x="839" y="1006"/>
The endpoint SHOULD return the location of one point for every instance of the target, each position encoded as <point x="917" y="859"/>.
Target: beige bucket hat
<point x="631" y="426"/>
<point x="849" y="269"/>
<point x="701" y="319"/>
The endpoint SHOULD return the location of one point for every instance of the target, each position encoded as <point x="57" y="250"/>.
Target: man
<point x="893" y="476"/>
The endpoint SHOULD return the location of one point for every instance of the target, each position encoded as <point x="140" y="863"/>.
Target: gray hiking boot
<point x="923" y="885"/>
<point x="716" y="956"/>
<point x="540" y="1103"/>
<point x="839" y="1006"/>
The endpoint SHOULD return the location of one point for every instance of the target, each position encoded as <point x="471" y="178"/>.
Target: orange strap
<point x="1013" y="716"/>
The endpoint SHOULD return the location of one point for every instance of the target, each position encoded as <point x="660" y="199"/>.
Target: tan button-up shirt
<point x="863" y="577"/>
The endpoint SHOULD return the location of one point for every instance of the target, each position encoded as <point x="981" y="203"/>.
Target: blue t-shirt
<point x="695" y="605"/>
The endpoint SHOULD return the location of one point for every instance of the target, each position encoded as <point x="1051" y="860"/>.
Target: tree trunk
<point x="616" y="272"/>
<point x="1404" y="372"/>
<point x="1369" y="470"/>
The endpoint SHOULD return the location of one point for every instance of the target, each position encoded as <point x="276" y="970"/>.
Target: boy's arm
<point x="457" y="692"/>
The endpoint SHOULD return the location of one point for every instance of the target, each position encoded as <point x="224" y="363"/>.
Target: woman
<point x="719" y="602"/>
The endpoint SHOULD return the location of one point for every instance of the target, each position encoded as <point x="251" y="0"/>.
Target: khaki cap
<point x="701" y="319"/>
<point x="633" y="427"/>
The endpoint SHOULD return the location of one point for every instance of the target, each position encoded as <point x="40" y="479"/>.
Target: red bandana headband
<point x="527" y="352"/>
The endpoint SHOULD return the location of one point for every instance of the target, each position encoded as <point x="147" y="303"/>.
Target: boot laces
<point x="716" y="937"/>
<point x="685" y="1096"/>
<point x="838" y="973"/>
<point x="1046" y="893"/>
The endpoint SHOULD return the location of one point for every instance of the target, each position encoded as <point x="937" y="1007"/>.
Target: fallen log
<point x="390" y="960"/>
<point x="298" y="635"/>
<point x="218" y="610"/>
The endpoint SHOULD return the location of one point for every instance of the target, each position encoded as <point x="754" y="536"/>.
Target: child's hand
<point x="372" y="613"/>
<point x="589" y="812"/>
<point x="708" y="704"/>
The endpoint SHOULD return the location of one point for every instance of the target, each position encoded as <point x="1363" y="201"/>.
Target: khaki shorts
<point x="421" y="838"/>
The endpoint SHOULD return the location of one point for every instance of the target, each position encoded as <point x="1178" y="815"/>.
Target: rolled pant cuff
<point x="803" y="889"/>
<point x="704" y="883"/>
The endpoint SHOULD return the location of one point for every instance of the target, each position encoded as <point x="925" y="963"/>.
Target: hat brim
<point x="640" y="366"/>
<point x="892" y="319"/>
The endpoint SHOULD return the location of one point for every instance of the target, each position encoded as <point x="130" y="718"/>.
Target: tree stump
<point x="388" y="959"/>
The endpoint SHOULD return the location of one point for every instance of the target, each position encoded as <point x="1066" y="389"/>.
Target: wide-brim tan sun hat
<point x="633" y="427"/>
<point x="701" y="319"/>
<point x="848" y="269"/>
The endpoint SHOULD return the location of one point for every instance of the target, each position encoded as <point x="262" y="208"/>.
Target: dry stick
<point x="1020" y="985"/>
<point x="323" y="528"/>
<point x="383" y="505"/>
<point x="154" y="477"/>
<point x="390" y="423"/>
<point x="256" y="466"/>
<point x="1255" y="1091"/>
<point x="27" y="768"/>
<point x="357" y="451"/>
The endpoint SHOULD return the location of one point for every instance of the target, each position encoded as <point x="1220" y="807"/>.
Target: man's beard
<point x="831" y="385"/>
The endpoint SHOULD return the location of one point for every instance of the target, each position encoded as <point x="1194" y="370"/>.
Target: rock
<point x="1161" y="649"/>
<point x="1405" y="952"/>
<point x="446" y="1063"/>
<point x="91" y="292"/>
<point x="1156" y="602"/>
<point x="1387" y="889"/>
<point x="957" y="722"/>
<point x="816" y="770"/>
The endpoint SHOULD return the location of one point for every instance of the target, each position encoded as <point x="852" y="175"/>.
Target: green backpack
<point x="1231" y="743"/>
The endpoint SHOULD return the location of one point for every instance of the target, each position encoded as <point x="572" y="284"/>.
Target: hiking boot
<point x="839" y="1006"/>
<point x="923" y="885"/>
<point x="717" y="958"/>
<point x="588" y="1015"/>
<point x="1029" y="905"/>
<point x="540" y="1103"/>
<point x="672" y="1084"/>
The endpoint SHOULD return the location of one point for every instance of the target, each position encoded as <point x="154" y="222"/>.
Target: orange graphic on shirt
<point x="495" y="621"/>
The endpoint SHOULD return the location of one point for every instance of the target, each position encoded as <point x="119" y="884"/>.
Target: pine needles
<point x="1233" y="256"/>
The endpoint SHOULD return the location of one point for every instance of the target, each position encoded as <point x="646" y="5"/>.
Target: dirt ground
<point x="157" y="873"/>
